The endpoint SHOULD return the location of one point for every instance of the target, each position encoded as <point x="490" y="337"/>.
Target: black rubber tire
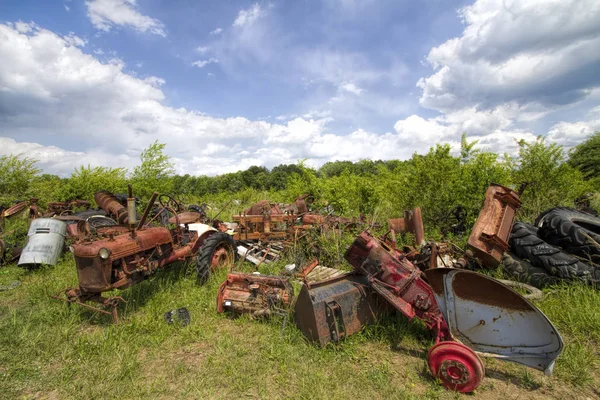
<point x="522" y="271"/>
<point x="205" y="255"/>
<point x="525" y="243"/>
<point x="574" y="231"/>
<point x="89" y="213"/>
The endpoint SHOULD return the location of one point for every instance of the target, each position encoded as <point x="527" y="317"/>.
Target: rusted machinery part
<point x="16" y="209"/>
<point x="188" y="217"/>
<point x="256" y="295"/>
<point x="533" y="293"/>
<point x="109" y="203"/>
<point x="457" y="366"/>
<point x="490" y="234"/>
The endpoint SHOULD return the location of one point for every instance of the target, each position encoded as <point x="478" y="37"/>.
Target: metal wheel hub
<point x="456" y="365"/>
<point x="454" y="372"/>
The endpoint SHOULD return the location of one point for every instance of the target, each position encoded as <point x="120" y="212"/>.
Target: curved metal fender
<point x="494" y="320"/>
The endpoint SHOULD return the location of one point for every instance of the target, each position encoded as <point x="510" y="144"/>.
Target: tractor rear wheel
<point x="575" y="231"/>
<point x="526" y="244"/>
<point x="218" y="251"/>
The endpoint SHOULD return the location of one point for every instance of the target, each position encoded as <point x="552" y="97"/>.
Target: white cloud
<point x="542" y="51"/>
<point x="249" y="16"/>
<point x="204" y="63"/>
<point x="352" y="88"/>
<point x="203" y="49"/>
<point x="216" y="31"/>
<point x="105" y="14"/>
<point x="67" y="8"/>
<point x="570" y="134"/>
<point x="494" y="129"/>
<point x="67" y="108"/>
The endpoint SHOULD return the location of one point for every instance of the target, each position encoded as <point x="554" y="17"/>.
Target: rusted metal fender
<point x="494" y="320"/>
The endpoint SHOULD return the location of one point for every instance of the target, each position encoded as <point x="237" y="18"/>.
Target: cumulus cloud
<point x="106" y="14"/>
<point x="535" y="51"/>
<point x="67" y="108"/>
<point x="570" y="134"/>
<point x="501" y="73"/>
<point x="216" y="31"/>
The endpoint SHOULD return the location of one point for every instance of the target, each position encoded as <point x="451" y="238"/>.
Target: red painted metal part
<point x="398" y="281"/>
<point x="456" y="365"/>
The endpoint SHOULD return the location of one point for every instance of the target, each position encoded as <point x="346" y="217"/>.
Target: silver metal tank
<point x="46" y="238"/>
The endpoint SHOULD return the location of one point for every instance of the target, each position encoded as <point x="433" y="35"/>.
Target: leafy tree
<point x="586" y="157"/>
<point x="279" y="175"/>
<point x="550" y="180"/>
<point x="86" y="181"/>
<point x="16" y="175"/>
<point x="335" y="168"/>
<point x="47" y="188"/>
<point x="154" y="173"/>
<point x="467" y="150"/>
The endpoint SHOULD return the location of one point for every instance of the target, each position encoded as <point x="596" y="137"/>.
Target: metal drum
<point x="46" y="238"/>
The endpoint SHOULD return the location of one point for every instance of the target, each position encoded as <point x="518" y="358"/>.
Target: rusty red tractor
<point x="119" y="256"/>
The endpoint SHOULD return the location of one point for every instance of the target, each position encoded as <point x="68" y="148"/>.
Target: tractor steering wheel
<point x="168" y="202"/>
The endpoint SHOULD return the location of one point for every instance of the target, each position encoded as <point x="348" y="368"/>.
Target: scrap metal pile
<point x="470" y="315"/>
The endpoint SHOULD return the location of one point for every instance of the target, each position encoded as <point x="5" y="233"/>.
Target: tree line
<point x="438" y="181"/>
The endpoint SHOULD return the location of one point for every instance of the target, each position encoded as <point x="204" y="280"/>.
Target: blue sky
<point x="230" y="84"/>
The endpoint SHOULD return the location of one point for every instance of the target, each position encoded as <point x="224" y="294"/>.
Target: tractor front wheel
<point x="218" y="251"/>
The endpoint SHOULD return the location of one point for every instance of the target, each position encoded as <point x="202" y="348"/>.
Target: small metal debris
<point x="11" y="285"/>
<point x="179" y="316"/>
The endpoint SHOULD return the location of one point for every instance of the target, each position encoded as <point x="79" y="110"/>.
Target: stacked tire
<point x="563" y="244"/>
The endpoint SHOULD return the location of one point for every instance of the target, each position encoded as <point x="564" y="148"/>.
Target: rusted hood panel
<point x="124" y="245"/>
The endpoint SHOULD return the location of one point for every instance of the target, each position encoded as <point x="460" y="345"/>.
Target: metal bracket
<point x="333" y="313"/>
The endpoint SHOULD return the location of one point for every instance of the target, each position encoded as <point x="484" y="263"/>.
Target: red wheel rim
<point x="221" y="257"/>
<point x="456" y="365"/>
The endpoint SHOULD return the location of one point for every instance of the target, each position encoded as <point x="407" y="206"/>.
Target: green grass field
<point x="48" y="350"/>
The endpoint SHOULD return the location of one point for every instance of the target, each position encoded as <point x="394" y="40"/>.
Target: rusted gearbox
<point x="331" y="310"/>
<point x="256" y="295"/>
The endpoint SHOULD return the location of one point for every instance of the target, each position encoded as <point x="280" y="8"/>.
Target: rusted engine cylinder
<point x="257" y="295"/>
<point x="109" y="203"/>
<point x="331" y="310"/>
